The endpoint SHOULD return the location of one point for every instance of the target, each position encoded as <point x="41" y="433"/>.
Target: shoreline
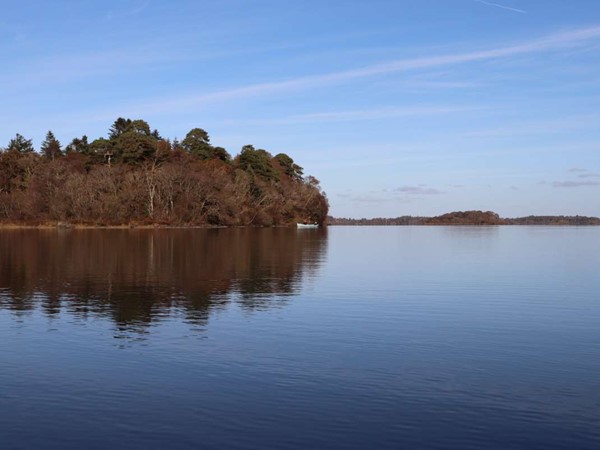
<point x="45" y="226"/>
<point x="75" y="226"/>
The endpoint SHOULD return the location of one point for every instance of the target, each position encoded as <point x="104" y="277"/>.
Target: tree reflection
<point x="137" y="277"/>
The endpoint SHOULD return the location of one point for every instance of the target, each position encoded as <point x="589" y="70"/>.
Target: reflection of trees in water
<point x="137" y="277"/>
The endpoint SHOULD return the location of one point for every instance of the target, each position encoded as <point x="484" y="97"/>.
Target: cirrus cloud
<point x="574" y="184"/>
<point x="421" y="189"/>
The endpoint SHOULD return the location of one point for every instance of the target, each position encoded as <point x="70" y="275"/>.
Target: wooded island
<point x="469" y="218"/>
<point x="137" y="177"/>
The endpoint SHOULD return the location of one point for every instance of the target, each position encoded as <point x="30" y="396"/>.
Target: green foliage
<point x="130" y="141"/>
<point x="221" y="153"/>
<point x="101" y="150"/>
<point x="257" y="162"/>
<point x="51" y="147"/>
<point x="133" y="147"/>
<point x="197" y="143"/>
<point x="292" y="170"/>
<point x="16" y="169"/>
<point x="119" y="127"/>
<point x="80" y="146"/>
<point x="122" y="126"/>
<point x="140" y="127"/>
<point x="20" y="144"/>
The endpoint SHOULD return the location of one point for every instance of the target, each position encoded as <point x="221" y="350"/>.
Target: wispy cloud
<point x="191" y="101"/>
<point x="404" y="194"/>
<point x="584" y="173"/>
<point x="421" y="189"/>
<point x="374" y="198"/>
<point x="134" y="10"/>
<point x="552" y="42"/>
<point x="357" y="115"/>
<point x="497" y="5"/>
<point x="574" y="184"/>
<point x="586" y="121"/>
<point x="430" y="85"/>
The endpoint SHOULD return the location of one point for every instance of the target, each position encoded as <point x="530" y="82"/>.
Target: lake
<point x="342" y="338"/>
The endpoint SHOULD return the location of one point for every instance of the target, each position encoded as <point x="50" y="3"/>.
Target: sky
<point x="398" y="107"/>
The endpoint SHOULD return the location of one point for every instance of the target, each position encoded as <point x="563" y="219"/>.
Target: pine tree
<point x="20" y="144"/>
<point x="51" y="147"/>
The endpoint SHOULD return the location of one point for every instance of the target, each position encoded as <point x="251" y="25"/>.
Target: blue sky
<point x="398" y="106"/>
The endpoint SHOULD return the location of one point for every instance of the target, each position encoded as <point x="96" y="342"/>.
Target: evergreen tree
<point x="197" y="143"/>
<point x="119" y="127"/>
<point x="257" y="162"/>
<point x="133" y="147"/>
<point x="81" y="146"/>
<point x="122" y="126"/>
<point x="141" y="127"/>
<point x="220" y="153"/>
<point x="293" y="170"/>
<point x="20" y="144"/>
<point x="51" y="147"/>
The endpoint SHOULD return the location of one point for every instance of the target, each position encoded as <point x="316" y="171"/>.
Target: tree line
<point x="468" y="218"/>
<point x="135" y="176"/>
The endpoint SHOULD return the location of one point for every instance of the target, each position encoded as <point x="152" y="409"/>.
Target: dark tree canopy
<point x="257" y="162"/>
<point x="51" y="147"/>
<point x="134" y="147"/>
<point x="220" y="153"/>
<point x="141" y="127"/>
<point x="291" y="169"/>
<point x="20" y="144"/>
<point x="79" y="145"/>
<point x="197" y="143"/>
<point x="119" y="127"/>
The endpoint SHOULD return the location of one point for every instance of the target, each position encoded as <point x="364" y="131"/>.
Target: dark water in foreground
<point x="412" y="337"/>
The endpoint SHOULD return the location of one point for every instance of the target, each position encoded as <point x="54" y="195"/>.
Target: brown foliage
<point x="170" y="187"/>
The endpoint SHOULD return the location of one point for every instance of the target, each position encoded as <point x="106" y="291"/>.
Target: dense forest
<point x="469" y="218"/>
<point x="137" y="177"/>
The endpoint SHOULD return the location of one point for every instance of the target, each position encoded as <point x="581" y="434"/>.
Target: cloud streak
<point x="191" y="101"/>
<point x="134" y="11"/>
<point x="418" y="190"/>
<point x="574" y="184"/>
<point x="358" y="115"/>
<point x="552" y="42"/>
<point x="555" y="125"/>
<point x="497" y="5"/>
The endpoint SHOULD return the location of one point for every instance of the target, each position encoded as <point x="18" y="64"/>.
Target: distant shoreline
<point x="469" y="225"/>
<point x="468" y="218"/>
<point x="457" y="218"/>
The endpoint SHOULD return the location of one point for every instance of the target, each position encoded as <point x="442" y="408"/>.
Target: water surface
<point x="373" y="337"/>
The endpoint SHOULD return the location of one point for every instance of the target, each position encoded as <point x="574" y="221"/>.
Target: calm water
<point x="409" y="337"/>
